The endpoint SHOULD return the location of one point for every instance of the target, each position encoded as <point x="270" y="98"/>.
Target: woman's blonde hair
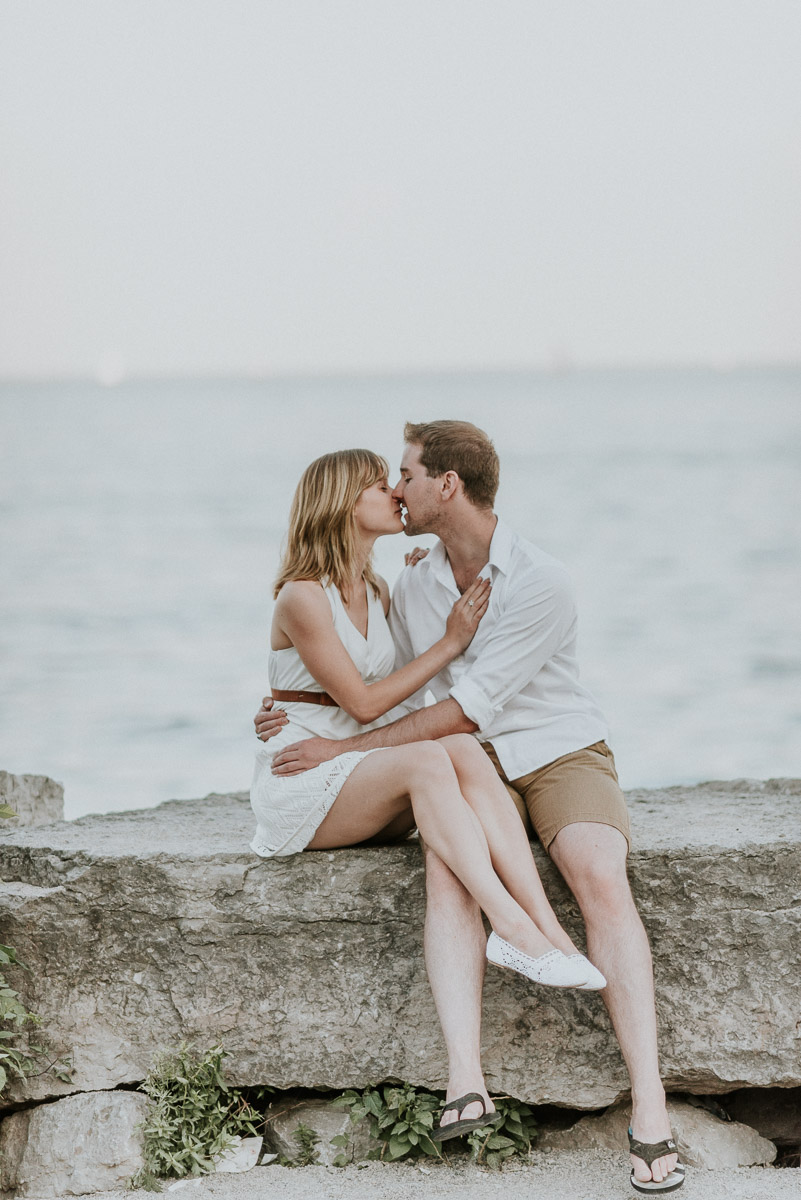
<point x="321" y="542"/>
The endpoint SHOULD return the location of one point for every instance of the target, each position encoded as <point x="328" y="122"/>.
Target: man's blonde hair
<point x="321" y="542"/>
<point x="461" y="447"/>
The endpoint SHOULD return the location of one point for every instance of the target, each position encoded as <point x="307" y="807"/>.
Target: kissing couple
<point x="486" y="622"/>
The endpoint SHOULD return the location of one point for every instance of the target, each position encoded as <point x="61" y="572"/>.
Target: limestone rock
<point x="702" y="1139"/>
<point x="35" y="799"/>
<point x="776" y="1114"/>
<point x="145" y="928"/>
<point x="86" y="1143"/>
<point x="284" y="1119"/>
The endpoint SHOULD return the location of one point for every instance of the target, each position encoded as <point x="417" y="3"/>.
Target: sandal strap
<point x="459" y="1105"/>
<point x="649" y="1152"/>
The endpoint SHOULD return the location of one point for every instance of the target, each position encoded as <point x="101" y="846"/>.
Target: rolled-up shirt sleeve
<point x="529" y="631"/>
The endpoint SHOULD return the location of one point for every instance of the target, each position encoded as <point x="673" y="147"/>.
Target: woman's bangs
<point x="376" y="468"/>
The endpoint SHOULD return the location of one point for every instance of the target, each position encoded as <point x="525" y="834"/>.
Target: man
<point x="516" y="687"/>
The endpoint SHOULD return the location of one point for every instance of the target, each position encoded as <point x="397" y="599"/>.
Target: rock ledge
<point x="145" y="928"/>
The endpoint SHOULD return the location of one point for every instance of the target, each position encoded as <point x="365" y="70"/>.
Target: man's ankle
<point x="467" y="1079"/>
<point x="648" y="1106"/>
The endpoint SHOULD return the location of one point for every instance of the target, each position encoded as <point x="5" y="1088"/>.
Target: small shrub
<point x="307" y="1154"/>
<point x="512" y="1137"/>
<point x="402" y="1118"/>
<point x="17" y="1055"/>
<point x="195" y="1115"/>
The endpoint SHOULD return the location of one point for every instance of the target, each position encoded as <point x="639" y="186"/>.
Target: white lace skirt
<point x="290" y="808"/>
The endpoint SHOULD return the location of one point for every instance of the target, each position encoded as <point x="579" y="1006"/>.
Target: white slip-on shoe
<point x="553" y="968"/>
<point x="596" y="980"/>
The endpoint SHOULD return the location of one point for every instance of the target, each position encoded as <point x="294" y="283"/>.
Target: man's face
<point x="418" y="493"/>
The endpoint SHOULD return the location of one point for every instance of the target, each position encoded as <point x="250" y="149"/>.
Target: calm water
<point x="140" y="528"/>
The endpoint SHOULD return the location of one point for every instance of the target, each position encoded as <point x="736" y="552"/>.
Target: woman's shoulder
<point x="303" y="594"/>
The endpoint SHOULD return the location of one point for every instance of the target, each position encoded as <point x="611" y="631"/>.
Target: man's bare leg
<point x="592" y="859"/>
<point x="455" y="954"/>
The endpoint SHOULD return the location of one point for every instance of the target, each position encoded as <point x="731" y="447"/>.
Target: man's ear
<point x="449" y="484"/>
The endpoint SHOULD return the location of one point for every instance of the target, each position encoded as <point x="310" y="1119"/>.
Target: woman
<point x="331" y="659"/>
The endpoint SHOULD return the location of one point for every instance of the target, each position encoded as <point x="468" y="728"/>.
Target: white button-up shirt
<point x="518" y="679"/>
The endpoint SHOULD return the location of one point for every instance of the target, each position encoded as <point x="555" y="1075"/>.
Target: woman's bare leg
<point x="396" y="831"/>
<point x="506" y="837"/>
<point x="384" y="784"/>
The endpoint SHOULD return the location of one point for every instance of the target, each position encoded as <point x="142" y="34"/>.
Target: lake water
<point x="140" y="528"/>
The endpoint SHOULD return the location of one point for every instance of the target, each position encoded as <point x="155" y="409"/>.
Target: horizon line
<point x="716" y="367"/>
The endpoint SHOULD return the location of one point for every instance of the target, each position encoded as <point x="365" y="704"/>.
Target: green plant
<point x="307" y="1154"/>
<point x="17" y="1054"/>
<point x="195" y="1115"/>
<point x="512" y="1137"/>
<point x="401" y="1117"/>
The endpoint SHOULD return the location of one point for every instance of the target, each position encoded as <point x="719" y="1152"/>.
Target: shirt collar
<point x="438" y="564"/>
<point x="500" y="552"/>
<point x="501" y="546"/>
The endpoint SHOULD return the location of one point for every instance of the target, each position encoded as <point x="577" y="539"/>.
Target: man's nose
<point x="397" y="491"/>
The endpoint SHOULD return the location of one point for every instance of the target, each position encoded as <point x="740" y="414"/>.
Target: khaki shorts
<point x="581" y="786"/>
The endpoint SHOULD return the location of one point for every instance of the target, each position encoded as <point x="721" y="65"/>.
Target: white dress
<point x="290" y="808"/>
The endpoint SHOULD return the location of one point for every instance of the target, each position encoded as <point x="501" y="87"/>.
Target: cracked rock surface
<point x="36" y="799"/>
<point x="148" y="927"/>
<point x="76" y="1145"/>
<point x="703" y="1140"/>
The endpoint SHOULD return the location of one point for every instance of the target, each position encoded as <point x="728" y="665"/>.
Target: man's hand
<point x="302" y="756"/>
<point x="268" y="720"/>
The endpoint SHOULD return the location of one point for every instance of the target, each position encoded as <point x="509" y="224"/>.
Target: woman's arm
<point x="303" y="615"/>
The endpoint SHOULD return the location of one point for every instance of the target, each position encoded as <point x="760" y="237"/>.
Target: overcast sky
<point x="260" y="186"/>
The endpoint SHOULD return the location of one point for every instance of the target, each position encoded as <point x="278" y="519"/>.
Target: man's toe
<point x="641" y="1172"/>
<point x="670" y="1162"/>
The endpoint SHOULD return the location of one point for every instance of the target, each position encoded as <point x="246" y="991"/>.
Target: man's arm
<point x="427" y="724"/>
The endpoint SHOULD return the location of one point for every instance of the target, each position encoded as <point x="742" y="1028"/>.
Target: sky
<point x="258" y="187"/>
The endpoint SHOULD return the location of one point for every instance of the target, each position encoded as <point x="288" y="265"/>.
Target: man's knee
<point x="592" y="859"/>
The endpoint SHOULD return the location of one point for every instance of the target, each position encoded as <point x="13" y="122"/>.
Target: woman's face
<point x="376" y="512"/>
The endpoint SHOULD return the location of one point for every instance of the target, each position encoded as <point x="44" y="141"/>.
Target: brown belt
<point x="305" y="698"/>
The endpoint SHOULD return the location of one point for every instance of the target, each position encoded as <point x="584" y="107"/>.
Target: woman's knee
<point x="429" y="761"/>
<point x="464" y="751"/>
